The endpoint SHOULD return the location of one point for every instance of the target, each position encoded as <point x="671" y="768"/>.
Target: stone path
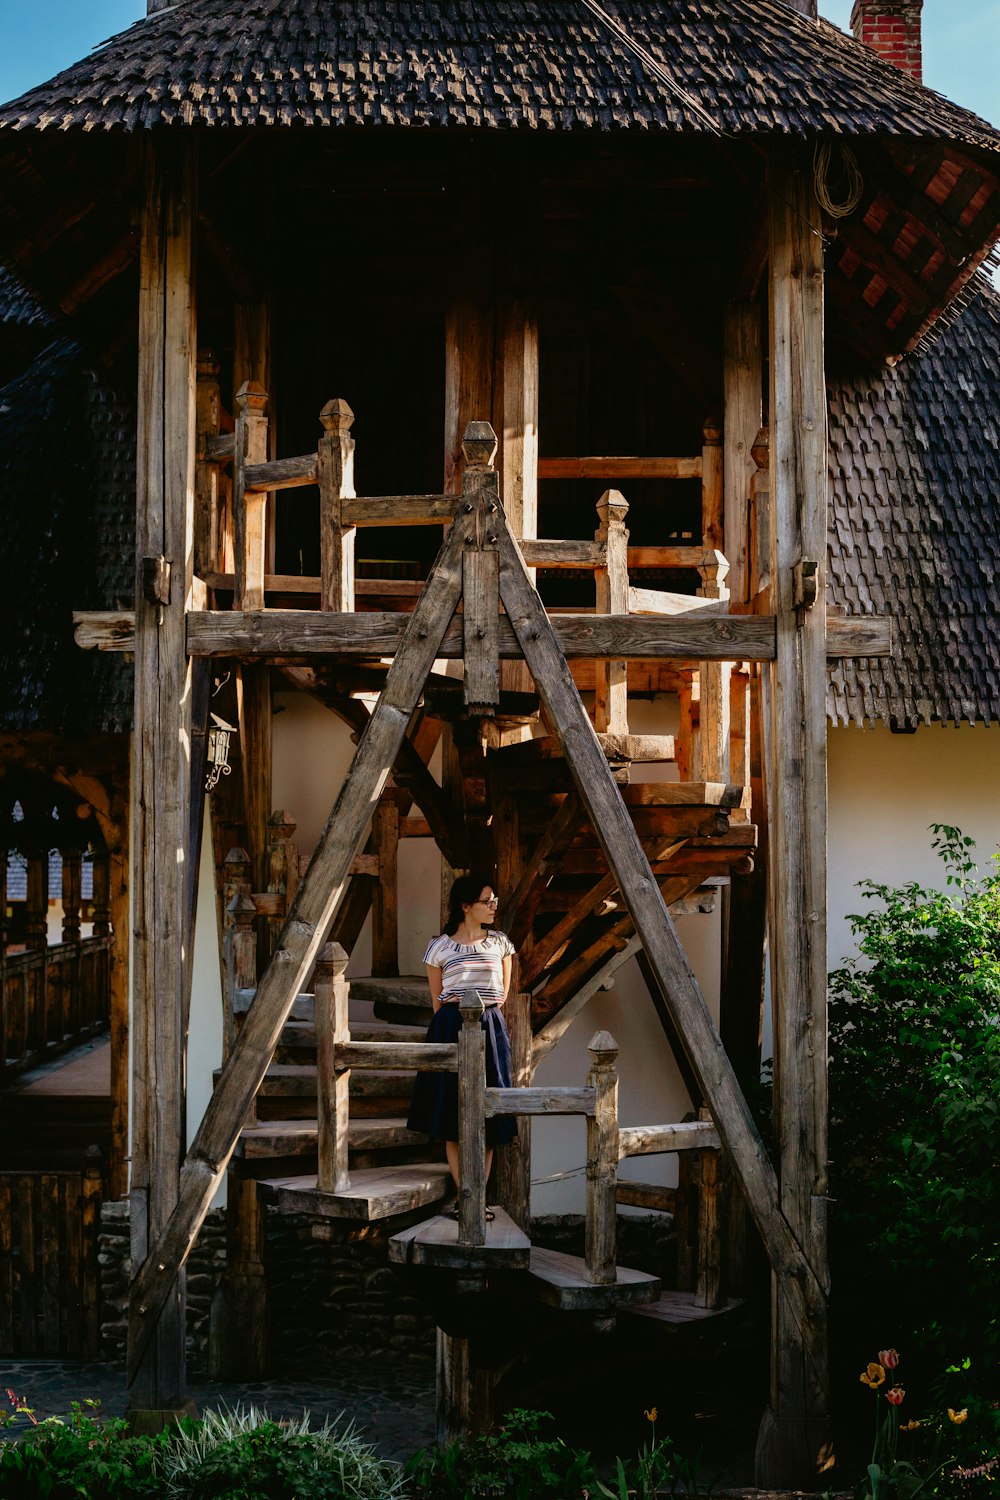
<point x="391" y="1403"/>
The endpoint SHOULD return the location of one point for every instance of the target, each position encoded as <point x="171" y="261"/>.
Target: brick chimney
<point x="892" y="29"/>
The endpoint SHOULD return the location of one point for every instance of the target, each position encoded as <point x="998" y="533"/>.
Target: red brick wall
<point x="892" y="29"/>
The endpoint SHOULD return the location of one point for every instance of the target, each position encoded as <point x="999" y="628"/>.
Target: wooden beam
<point x="161" y="738"/>
<point x="308" y="922"/>
<point x="793" y="1443"/>
<point x="741" y="423"/>
<point x="612" y="598"/>
<point x="625" y="856"/>
<point x="620" y="468"/>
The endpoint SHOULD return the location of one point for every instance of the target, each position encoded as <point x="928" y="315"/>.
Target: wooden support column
<point x="331" y="991"/>
<point x="208" y="555"/>
<point x="512" y="1173"/>
<point x="385" y="894"/>
<point x="611" y="588"/>
<point x="335" y="473"/>
<point x="713" y="685"/>
<point x="116" y="835"/>
<point x="602" y="1161"/>
<point x="161" y="738"/>
<point x="741" y="374"/>
<point x="793" y="1444"/>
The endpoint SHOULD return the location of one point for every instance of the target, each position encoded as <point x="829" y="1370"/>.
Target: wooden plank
<point x="481" y="627"/>
<point x="335" y="475"/>
<point x="674" y="1310"/>
<point x="543" y="552"/>
<point x="249" y="506"/>
<point x="658" y="1140"/>
<point x="92" y="1193"/>
<point x="437" y="1242"/>
<point x="279" y="632"/>
<point x="71" y="1241"/>
<point x="652" y="921"/>
<point x="400" y="510"/>
<point x="619" y="468"/>
<point x="794" y="1432"/>
<point x="612" y="598"/>
<point x="280" y="473"/>
<point x="562" y="1281"/>
<point x="161" y="737"/>
<point x="662" y="602"/>
<point x="26" y="1283"/>
<point x="7" y="1320"/>
<point x="540" y="1101"/>
<point x="708" y="1286"/>
<point x="741" y="375"/>
<point x="646" y="1195"/>
<point x="385" y="891"/>
<point x="425" y="1057"/>
<point x="374" y="1193"/>
<point x="333" y="1078"/>
<point x="312" y="913"/>
<point x="602" y="1161"/>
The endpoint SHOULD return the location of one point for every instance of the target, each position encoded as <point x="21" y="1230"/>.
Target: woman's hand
<point x="508" y="964"/>
<point x="435" y="978"/>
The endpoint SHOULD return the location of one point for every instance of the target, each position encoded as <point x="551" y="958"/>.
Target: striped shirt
<point x="470" y="966"/>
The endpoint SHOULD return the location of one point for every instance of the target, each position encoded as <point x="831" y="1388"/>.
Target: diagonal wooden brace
<point x="301" y="938"/>
<point x="628" y="862"/>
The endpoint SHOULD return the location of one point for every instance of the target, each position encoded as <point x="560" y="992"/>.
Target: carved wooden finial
<point x="603" y="1048"/>
<point x="612" y="506"/>
<point x="331" y="962"/>
<point x="236" y="861"/>
<point x="208" y="365"/>
<point x="242" y="909"/>
<point x="712" y="431"/>
<point x="759" y="452"/>
<point x="337" y="416"/>
<point x="479" y="445"/>
<point x="471" y="1007"/>
<point x="251" y="396"/>
<point x="281" y="822"/>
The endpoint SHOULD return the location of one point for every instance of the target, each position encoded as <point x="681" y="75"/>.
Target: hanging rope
<point x="854" y="183"/>
<point x="686" y="100"/>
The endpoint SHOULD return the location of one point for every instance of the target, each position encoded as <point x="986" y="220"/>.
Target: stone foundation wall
<point x="331" y="1292"/>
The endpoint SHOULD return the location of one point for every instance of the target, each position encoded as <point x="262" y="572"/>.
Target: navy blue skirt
<point x="434" y="1110"/>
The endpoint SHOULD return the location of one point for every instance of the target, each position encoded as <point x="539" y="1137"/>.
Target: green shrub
<point x="241" y="1454"/>
<point x="83" y="1455"/>
<point x="915" y="1099"/>
<point x="514" y="1462"/>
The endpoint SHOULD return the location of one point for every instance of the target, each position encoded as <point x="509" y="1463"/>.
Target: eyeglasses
<point x="489" y="901"/>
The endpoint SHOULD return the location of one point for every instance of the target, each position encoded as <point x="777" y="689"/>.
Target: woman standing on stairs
<point x="467" y="955"/>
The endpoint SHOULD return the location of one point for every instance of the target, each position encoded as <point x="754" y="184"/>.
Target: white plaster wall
<point x="885" y="790"/>
<point x="204" y="1052"/>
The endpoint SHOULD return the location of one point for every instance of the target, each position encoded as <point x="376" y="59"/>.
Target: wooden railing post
<point x="708" y="1283"/>
<point x="602" y="1160"/>
<point x="335" y="473"/>
<point x="249" y="511"/>
<point x="208" y="407"/>
<point x="385" y="893"/>
<point x="100" y="901"/>
<point x="759" y="543"/>
<point x="330" y="990"/>
<point x="241" y="959"/>
<point x="472" y="1122"/>
<point x="282" y="871"/>
<point x="73" y="1013"/>
<point x="714" y="682"/>
<point x="611" y="587"/>
<point x="36" y="939"/>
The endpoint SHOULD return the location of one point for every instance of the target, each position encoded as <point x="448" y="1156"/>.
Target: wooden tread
<point x="298" y="1137"/>
<point x="401" y="999"/>
<point x="560" y="1280"/>
<point x="435" y="1243"/>
<point x="374" y="1192"/>
<point x="678" y="1310"/>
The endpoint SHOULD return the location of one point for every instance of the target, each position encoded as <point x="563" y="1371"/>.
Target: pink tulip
<point x="895" y="1395"/>
<point x="889" y="1358"/>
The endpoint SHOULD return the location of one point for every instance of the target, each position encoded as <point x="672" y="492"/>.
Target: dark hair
<point x="464" y="892"/>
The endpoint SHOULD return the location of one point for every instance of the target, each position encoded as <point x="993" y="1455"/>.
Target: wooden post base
<point x="145" y="1423"/>
<point x="464" y="1391"/>
<point x="792" y="1452"/>
<point x="237" y="1328"/>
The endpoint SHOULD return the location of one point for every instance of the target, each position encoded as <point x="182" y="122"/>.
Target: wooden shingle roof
<point x="742" y="66"/>
<point x="915" y="527"/>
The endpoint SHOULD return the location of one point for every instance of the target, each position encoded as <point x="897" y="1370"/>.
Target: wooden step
<point x="298" y="1039"/>
<point x="374" y="1193"/>
<point x="402" y="999"/>
<point x="292" y="1080"/>
<point x="435" y="1243"/>
<point x="298" y="1137"/>
<point x="561" y="1281"/>
<point x="675" y="1311"/>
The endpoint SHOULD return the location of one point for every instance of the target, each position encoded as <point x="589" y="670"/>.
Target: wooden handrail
<point x="620" y="468"/>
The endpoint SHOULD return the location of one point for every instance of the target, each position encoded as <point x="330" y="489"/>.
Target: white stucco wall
<point x="885" y="790"/>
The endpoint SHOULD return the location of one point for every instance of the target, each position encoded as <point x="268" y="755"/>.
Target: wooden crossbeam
<point x="626" y="858"/>
<point x="304" y="932"/>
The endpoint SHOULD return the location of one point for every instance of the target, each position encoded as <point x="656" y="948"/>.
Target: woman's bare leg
<point x="451" y="1150"/>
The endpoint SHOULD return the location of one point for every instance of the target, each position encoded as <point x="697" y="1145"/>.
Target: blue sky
<point x="40" y="37"/>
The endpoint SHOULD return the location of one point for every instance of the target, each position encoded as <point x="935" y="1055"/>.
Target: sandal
<point x="452" y="1213"/>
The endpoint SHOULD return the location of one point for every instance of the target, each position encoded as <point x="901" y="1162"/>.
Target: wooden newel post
<point x="331" y="990"/>
<point x="207" y="553"/>
<point x="241" y="961"/>
<point x="611" y="586"/>
<point x="249" y="509"/>
<point x="282" y="871"/>
<point x="602" y="1160"/>
<point x="481" y="572"/>
<point x="714" y="682"/>
<point x="471" y="1122"/>
<point x="335" y="473"/>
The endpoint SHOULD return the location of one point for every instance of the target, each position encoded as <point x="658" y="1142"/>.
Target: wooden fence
<point x="48" y="1262"/>
<point x="50" y="998"/>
